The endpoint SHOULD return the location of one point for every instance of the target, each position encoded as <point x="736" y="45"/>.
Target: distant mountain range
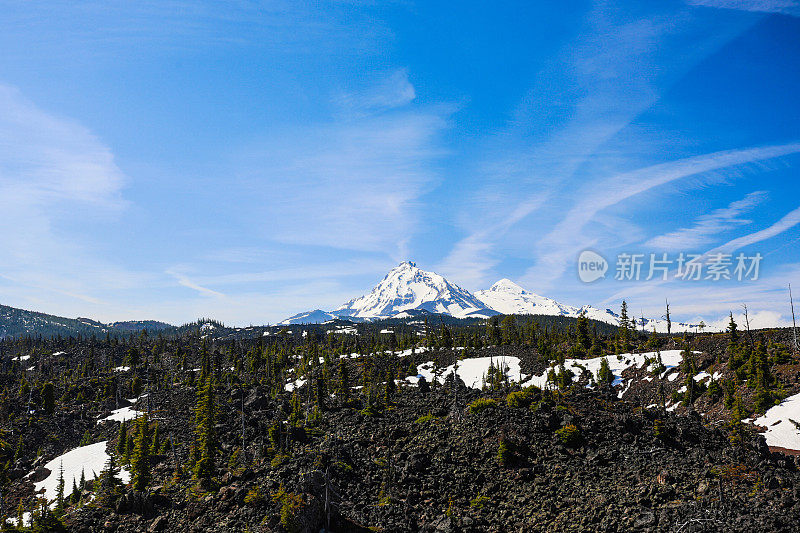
<point x="16" y="322"/>
<point x="408" y="290"/>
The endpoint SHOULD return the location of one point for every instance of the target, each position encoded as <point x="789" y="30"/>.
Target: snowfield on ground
<point x="781" y="431"/>
<point x="122" y="414"/>
<point x="88" y="460"/>
<point x="618" y="364"/>
<point x="471" y="371"/>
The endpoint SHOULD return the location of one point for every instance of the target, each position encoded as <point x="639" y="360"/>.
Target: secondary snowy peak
<point x="507" y="286"/>
<point x="508" y="298"/>
<point x="408" y="287"/>
<point x="408" y="290"/>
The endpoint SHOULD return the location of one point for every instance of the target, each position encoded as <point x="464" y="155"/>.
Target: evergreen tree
<point x="155" y="445"/>
<point x="48" y="398"/>
<point x="109" y="483"/>
<point x="205" y="414"/>
<point x="60" y="488"/>
<point x="140" y="457"/>
<point x="122" y="438"/>
<point x="733" y="333"/>
<point x="690" y="370"/>
<point x="624" y="327"/>
<point x="390" y="388"/>
<point x="604" y="375"/>
<point x="583" y="331"/>
<point x="343" y="388"/>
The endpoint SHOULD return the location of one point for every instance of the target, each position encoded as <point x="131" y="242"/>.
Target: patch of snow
<point x="617" y="364"/>
<point x="702" y="376"/>
<point x="778" y="421"/>
<point x="87" y="459"/>
<point x="122" y="369"/>
<point x="121" y="414"/>
<point x="472" y="371"/>
<point x="295" y="385"/>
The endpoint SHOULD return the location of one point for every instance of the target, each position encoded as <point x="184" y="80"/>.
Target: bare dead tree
<point x="747" y="324"/>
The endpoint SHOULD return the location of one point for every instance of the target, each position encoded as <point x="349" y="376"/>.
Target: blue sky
<point x="251" y="160"/>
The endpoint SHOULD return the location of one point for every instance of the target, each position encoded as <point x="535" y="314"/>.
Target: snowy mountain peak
<point x="407" y="287"/>
<point x="506" y="285"/>
<point x="405" y="265"/>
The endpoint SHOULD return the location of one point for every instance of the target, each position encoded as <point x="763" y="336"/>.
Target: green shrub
<point x="569" y="435"/>
<point x="479" y="501"/>
<point x="291" y="504"/>
<point x="505" y="455"/>
<point x="425" y="419"/>
<point x="522" y="398"/>
<point x="658" y="429"/>
<point x="482" y="404"/>
<point x="254" y="496"/>
<point x="278" y="460"/>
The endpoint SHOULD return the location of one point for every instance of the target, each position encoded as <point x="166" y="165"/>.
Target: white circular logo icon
<point x="591" y="266"/>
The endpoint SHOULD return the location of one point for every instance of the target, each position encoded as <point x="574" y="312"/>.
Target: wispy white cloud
<point x="184" y="281"/>
<point x="787" y="222"/>
<point x="389" y="91"/>
<point x="558" y="249"/>
<point x="563" y="133"/>
<point x="786" y="7"/>
<point x="54" y="173"/>
<point x="351" y="183"/>
<point x="708" y="226"/>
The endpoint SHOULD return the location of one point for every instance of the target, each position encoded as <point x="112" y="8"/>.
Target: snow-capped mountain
<point x="407" y="288"/>
<point x="508" y="298"/>
<point x="316" y="316"/>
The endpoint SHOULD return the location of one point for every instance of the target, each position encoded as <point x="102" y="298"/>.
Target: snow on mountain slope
<point x="407" y="287"/>
<point x="407" y="290"/>
<point x="309" y="317"/>
<point x="507" y="297"/>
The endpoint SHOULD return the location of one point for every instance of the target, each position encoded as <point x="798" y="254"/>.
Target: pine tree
<point x="690" y="371"/>
<point x="60" y="488"/>
<point x="155" y="445"/>
<point x="583" y="331"/>
<point x="140" y="457"/>
<point x="75" y="494"/>
<point x="390" y="388"/>
<point x="343" y="388"/>
<point x="122" y="438"/>
<point x="48" y="398"/>
<point x="604" y="375"/>
<point x="109" y="483"/>
<point x="735" y="424"/>
<point x="733" y="333"/>
<point x="624" y="327"/>
<point x="205" y="414"/>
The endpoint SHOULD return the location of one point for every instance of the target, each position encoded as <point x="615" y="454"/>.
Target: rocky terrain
<point x="295" y="451"/>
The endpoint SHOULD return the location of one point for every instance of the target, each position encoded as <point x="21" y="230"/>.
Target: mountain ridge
<point x="406" y="288"/>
